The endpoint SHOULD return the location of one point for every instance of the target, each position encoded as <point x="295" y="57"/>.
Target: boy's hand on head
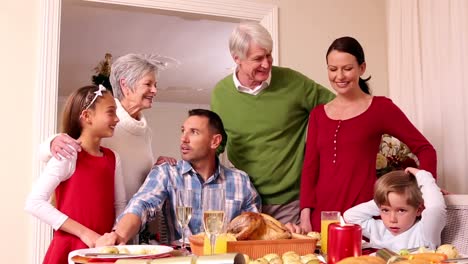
<point x="412" y="170"/>
<point x="64" y="146"/>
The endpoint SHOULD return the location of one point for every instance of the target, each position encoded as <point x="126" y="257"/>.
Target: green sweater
<point x="266" y="132"/>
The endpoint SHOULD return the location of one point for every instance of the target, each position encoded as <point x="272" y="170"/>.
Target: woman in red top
<point x="86" y="206"/>
<point x="344" y="137"/>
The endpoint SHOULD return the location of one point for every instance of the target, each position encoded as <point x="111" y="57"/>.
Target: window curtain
<point x="428" y="78"/>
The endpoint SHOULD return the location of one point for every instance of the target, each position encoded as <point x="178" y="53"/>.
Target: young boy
<point x="411" y="208"/>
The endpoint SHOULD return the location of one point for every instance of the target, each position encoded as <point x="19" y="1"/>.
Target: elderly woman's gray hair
<point x="246" y="32"/>
<point x="131" y="67"/>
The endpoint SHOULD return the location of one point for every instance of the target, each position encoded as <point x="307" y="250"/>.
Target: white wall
<point x="18" y="71"/>
<point x="196" y="41"/>
<point x="306" y="29"/>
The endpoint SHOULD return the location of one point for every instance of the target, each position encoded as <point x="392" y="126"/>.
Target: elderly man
<point x="199" y="168"/>
<point x="265" y="111"/>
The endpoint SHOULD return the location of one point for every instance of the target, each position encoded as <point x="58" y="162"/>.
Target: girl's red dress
<point x="86" y="197"/>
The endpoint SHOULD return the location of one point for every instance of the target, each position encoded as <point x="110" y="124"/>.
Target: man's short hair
<point x="215" y="123"/>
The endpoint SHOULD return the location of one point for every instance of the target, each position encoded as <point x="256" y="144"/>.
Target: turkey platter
<point x="255" y="226"/>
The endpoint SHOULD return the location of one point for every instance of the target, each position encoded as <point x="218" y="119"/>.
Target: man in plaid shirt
<point x="202" y="133"/>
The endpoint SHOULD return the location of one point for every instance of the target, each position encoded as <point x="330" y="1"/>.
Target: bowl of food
<point x="257" y="235"/>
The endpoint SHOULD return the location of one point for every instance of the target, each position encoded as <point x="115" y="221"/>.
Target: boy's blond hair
<point x="399" y="182"/>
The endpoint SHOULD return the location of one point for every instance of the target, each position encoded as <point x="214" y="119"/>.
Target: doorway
<point x="47" y="91"/>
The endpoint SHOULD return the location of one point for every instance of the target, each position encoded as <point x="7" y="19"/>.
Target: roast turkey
<point x="256" y="226"/>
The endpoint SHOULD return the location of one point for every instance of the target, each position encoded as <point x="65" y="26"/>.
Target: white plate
<point x="151" y="250"/>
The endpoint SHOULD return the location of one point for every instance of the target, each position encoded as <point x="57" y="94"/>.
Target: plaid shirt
<point x="163" y="181"/>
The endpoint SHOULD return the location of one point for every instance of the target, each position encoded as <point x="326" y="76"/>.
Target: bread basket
<point x="259" y="248"/>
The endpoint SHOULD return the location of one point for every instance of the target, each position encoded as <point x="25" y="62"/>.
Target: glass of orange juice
<point x="327" y="217"/>
<point x="220" y="245"/>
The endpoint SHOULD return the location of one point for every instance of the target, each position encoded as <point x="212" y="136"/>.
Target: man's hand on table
<point x="293" y="228"/>
<point x="89" y="237"/>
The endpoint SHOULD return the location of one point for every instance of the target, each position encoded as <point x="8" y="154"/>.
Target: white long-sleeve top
<point x="132" y="140"/>
<point x="426" y="232"/>
<point x="55" y="172"/>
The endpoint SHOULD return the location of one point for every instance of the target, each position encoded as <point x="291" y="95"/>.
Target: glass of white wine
<point x="213" y="213"/>
<point x="184" y="200"/>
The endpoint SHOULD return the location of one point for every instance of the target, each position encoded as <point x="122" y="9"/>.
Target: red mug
<point x="344" y="240"/>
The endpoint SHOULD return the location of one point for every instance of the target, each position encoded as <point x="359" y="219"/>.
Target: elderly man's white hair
<point x="245" y="33"/>
<point x="132" y="67"/>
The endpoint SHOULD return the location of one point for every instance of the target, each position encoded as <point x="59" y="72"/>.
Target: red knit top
<point x="339" y="168"/>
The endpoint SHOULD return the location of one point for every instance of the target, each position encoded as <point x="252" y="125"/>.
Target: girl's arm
<point x="37" y="203"/>
<point x="433" y="217"/>
<point x="120" y="200"/>
<point x="85" y="234"/>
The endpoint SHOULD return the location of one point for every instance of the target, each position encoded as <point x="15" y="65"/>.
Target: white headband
<point x="97" y="93"/>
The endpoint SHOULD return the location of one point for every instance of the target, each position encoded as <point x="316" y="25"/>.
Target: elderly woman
<point x="133" y="79"/>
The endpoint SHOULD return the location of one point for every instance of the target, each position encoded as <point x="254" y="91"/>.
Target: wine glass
<point x="213" y="213"/>
<point x="184" y="200"/>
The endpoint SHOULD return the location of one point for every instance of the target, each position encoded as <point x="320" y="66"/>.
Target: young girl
<point x="89" y="187"/>
<point x="411" y="208"/>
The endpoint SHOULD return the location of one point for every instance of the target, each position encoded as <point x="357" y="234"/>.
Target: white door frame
<point x="46" y="94"/>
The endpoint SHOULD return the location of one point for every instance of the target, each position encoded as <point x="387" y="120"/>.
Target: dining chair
<point x="456" y="229"/>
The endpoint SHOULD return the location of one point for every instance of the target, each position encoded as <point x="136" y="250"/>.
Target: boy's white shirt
<point x="425" y="232"/>
<point x="57" y="171"/>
